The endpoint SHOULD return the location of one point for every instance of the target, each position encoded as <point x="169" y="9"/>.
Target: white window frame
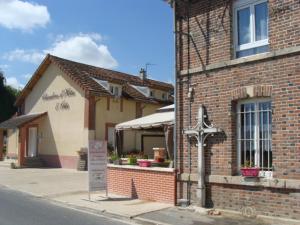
<point x="152" y="93"/>
<point x="113" y="89"/>
<point x="264" y="173"/>
<point x="242" y="4"/>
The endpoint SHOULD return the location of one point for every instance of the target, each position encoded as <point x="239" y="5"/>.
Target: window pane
<point x="261" y="21"/>
<point x="252" y="51"/>
<point x="243" y="20"/>
<point x="265" y="118"/>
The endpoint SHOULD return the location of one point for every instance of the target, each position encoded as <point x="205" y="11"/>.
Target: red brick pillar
<point x="1" y="144"/>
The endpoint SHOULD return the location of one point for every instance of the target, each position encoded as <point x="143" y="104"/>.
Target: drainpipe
<point x="175" y="90"/>
<point x="190" y="92"/>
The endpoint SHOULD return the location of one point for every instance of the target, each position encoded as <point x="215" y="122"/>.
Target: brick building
<point x="240" y="60"/>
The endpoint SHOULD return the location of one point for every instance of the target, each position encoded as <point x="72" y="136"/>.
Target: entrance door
<point x="32" y="142"/>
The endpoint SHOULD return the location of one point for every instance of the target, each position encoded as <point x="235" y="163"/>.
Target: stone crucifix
<point x="201" y="131"/>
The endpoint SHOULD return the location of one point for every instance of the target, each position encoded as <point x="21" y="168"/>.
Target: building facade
<point x="240" y="60"/>
<point x="65" y="104"/>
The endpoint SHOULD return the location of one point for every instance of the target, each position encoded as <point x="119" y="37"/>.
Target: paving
<point x="68" y="188"/>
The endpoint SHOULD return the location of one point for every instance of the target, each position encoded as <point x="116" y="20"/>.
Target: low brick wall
<point x="152" y="184"/>
<point x="263" y="201"/>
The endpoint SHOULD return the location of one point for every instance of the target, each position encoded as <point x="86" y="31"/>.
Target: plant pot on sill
<point x="118" y="162"/>
<point x="250" y="172"/>
<point x="144" y="163"/>
<point x="132" y="161"/>
<point x="159" y="160"/>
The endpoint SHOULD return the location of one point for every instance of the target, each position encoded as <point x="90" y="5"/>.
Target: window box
<point x="250" y="172"/>
<point x="144" y="163"/>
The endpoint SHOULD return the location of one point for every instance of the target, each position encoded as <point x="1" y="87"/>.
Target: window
<point x="251" y="27"/>
<point x="255" y="135"/>
<point x="152" y="94"/>
<point x="115" y="90"/>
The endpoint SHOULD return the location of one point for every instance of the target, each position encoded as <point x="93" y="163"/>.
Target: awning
<point x="18" y="121"/>
<point x="159" y="119"/>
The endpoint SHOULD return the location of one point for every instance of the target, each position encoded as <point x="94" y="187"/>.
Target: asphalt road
<point x="20" y="209"/>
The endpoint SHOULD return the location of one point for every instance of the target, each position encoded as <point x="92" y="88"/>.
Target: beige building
<point x="66" y="103"/>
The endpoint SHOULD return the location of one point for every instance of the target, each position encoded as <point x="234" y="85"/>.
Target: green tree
<point x="8" y="96"/>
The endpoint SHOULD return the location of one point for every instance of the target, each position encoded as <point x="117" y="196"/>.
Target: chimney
<point x="143" y="74"/>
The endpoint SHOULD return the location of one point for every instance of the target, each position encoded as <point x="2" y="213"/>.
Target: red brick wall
<point x="210" y="25"/>
<point x="216" y="91"/>
<point x="266" y="201"/>
<point x="143" y="184"/>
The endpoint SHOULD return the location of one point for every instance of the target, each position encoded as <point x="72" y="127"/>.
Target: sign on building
<point x="97" y="166"/>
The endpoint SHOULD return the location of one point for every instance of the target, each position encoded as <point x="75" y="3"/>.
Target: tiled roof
<point x="83" y="75"/>
<point x="18" y="121"/>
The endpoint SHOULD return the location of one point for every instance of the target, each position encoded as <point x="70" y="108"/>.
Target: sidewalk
<point x="69" y="188"/>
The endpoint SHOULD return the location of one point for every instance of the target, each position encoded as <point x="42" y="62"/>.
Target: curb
<point x="150" y="222"/>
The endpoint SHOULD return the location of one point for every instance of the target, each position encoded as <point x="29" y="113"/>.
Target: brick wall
<point x="210" y="23"/>
<point x="220" y="89"/>
<point x="142" y="184"/>
<point x="265" y="201"/>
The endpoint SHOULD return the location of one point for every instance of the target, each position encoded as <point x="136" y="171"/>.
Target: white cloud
<point x="13" y="82"/>
<point x="84" y="48"/>
<point x="31" y="56"/>
<point x="23" y="15"/>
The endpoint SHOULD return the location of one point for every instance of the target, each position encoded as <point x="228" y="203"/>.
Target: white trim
<point x="242" y="4"/>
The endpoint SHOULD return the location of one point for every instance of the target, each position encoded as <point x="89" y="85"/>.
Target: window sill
<point x="240" y="61"/>
<point x="255" y="181"/>
<point x="244" y="181"/>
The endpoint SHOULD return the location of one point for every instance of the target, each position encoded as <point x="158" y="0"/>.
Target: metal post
<point x="201" y="169"/>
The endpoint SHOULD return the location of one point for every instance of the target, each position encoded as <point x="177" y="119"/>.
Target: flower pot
<point x="159" y="160"/>
<point x="118" y="162"/>
<point x="144" y="163"/>
<point x="132" y="161"/>
<point x="250" y="172"/>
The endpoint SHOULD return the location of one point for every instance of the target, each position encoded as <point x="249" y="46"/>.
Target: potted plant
<point x="144" y="163"/>
<point x="116" y="159"/>
<point x="249" y="170"/>
<point x="132" y="160"/>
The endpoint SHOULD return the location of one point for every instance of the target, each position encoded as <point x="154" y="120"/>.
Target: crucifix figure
<point x="201" y="131"/>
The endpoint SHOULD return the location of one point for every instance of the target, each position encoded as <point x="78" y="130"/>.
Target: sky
<point x="122" y="35"/>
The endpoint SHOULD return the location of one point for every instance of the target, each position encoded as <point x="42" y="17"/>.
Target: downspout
<point x="190" y="90"/>
<point x="175" y="90"/>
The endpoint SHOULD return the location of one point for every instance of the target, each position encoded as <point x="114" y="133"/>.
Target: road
<point x="20" y="209"/>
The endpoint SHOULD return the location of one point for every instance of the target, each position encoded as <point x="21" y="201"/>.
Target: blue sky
<point x="121" y="35"/>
